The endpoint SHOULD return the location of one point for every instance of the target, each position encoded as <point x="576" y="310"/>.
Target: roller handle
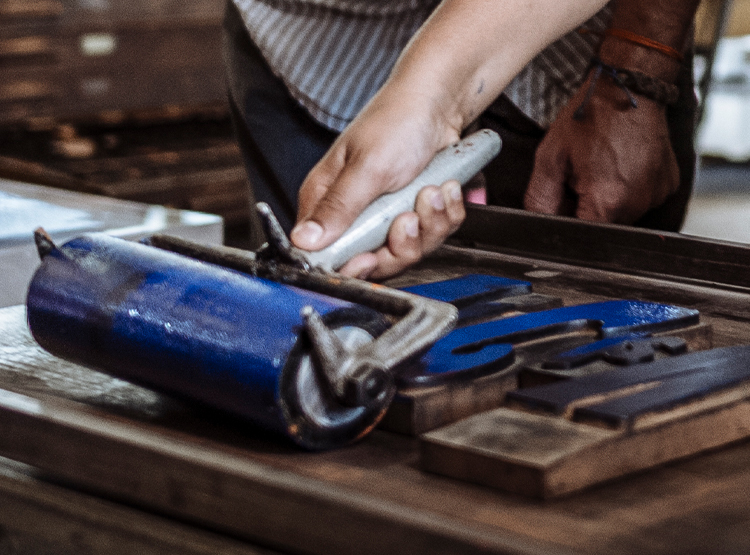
<point x="459" y="161"/>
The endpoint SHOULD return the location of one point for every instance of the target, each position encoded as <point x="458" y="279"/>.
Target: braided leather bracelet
<point x="630" y="81"/>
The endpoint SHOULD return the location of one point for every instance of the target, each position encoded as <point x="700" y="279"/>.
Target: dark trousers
<point x="281" y="142"/>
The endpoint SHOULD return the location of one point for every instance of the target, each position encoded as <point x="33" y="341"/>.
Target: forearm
<point x="469" y="50"/>
<point x="459" y="61"/>
<point x="667" y="21"/>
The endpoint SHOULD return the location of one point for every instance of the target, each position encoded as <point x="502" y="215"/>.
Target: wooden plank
<point x="222" y="488"/>
<point x="30" y="9"/>
<point x="110" y="171"/>
<point x="68" y="14"/>
<point x="37" y="516"/>
<point x="27" y="89"/>
<point x="22" y="170"/>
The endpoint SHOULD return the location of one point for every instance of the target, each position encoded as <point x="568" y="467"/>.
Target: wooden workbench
<point x="102" y="466"/>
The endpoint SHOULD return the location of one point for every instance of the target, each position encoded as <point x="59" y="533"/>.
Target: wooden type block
<point x="477" y="378"/>
<point x="605" y="355"/>
<point x="416" y="410"/>
<point x="471" y="289"/>
<point x="484" y="348"/>
<point x="617" y="350"/>
<point x="482" y="297"/>
<point x="479" y="298"/>
<point x="558" y="438"/>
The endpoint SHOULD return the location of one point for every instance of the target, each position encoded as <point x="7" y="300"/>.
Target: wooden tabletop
<point x="130" y="446"/>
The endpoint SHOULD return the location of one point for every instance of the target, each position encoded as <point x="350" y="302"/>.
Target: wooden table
<point x="113" y="468"/>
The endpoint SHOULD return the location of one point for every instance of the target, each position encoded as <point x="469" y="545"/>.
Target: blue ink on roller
<point x="198" y="331"/>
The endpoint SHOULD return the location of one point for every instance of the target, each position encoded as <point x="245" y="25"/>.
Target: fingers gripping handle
<point x="459" y="161"/>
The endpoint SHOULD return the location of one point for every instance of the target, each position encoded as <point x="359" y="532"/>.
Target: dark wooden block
<point x="559" y="438"/>
<point x="420" y="409"/>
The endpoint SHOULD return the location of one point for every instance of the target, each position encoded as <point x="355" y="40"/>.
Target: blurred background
<point x="125" y="99"/>
<point x="720" y="207"/>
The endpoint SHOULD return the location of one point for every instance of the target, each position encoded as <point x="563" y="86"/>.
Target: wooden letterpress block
<point x="472" y="369"/>
<point x="557" y="438"/>
<point x="426" y="402"/>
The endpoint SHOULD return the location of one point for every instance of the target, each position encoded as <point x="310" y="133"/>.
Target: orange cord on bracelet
<point x="644" y="41"/>
<point x="640" y="40"/>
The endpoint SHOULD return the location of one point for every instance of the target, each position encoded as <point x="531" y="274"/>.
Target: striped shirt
<point x="333" y="55"/>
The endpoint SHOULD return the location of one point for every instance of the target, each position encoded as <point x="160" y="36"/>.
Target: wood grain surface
<point x="198" y="466"/>
<point x="38" y="517"/>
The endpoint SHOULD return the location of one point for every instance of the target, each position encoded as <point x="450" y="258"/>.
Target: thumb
<point x="330" y="201"/>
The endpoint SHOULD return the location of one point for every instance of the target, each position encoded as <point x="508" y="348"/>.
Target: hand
<point x="439" y="212"/>
<point x="617" y="161"/>
<point x="381" y="151"/>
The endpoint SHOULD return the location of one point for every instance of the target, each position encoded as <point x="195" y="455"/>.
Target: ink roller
<point x="275" y="336"/>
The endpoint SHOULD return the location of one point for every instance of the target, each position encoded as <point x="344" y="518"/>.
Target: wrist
<point x="624" y="90"/>
<point x="639" y="58"/>
<point x="435" y="105"/>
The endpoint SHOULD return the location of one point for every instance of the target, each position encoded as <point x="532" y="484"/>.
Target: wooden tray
<point x="127" y="445"/>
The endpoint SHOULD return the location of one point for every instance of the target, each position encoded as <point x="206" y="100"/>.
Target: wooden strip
<point x="614" y="247"/>
<point x="40" y="517"/>
<point x="25" y="46"/>
<point x="26" y="89"/>
<point x="172" y="160"/>
<point x="30" y="172"/>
